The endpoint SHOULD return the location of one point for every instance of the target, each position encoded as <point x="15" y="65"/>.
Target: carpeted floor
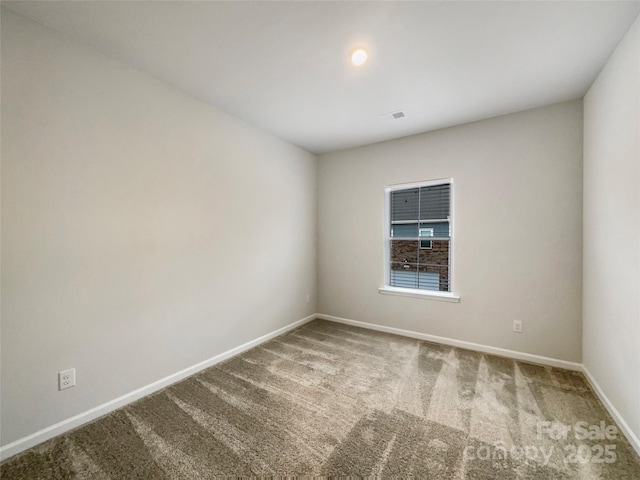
<point x="333" y="400"/>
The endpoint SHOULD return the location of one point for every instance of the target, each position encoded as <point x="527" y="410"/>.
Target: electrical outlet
<point x="517" y="326"/>
<point x="308" y="297"/>
<point x="67" y="379"/>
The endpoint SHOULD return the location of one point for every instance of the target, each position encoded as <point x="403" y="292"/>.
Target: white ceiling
<point x="283" y="66"/>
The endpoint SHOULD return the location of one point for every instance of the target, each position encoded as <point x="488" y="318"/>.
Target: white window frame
<point x="386" y="287"/>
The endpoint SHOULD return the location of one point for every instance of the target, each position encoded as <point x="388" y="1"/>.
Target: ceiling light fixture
<point x="358" y="56"/>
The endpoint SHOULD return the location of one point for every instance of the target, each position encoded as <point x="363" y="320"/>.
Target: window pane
<point x="422" y="268"/>
<point x="428" y="280"/>
<point x="404" y="251"/>
<point x="404" y="230"/>
<point x="406" y="277"/>
<point x="437" y="255"/>
<point x="404" y="205"/>
<point x="440" y="229"/>
<point x="434" y="202"/>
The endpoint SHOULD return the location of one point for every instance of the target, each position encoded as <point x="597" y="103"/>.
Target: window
<point x="413" y="265"/>
<point x="425" y="232"/>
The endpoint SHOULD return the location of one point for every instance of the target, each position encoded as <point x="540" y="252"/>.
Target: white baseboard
<point x="527" y="357"/>
<point x="613" y="411"/>
<point x="47" y="433"/>
<point x="64" y="426"/>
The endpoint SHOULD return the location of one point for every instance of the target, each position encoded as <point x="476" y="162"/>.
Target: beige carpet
<point x="330" y="399"/>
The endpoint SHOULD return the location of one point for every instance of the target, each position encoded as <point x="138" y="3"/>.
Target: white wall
<point x="611" y="330"/>
<point x="142" y="231"/>
<point x="518" y="228"/>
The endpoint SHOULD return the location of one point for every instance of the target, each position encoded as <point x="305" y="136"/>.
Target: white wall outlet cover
<point x="66" y="379"/>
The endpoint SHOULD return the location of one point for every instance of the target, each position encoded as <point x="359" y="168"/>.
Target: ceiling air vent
<point x="386" y="117"/>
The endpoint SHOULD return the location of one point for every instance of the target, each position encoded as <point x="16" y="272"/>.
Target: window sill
<point x="428" y="294"/>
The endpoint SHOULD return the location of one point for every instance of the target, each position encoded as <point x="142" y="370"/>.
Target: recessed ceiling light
<point x="358" y="56"/>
